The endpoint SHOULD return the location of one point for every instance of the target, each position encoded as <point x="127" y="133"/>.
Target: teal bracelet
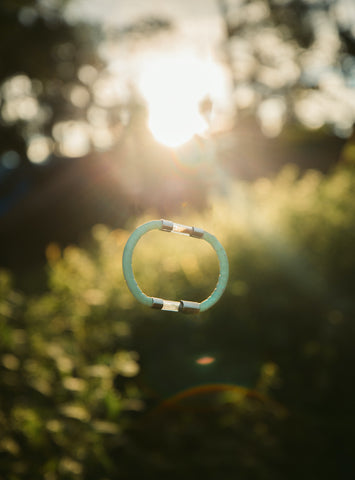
<point x="184" y="306"/>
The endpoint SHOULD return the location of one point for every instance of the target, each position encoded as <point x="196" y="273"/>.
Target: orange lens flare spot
<point x="205" y="360"/>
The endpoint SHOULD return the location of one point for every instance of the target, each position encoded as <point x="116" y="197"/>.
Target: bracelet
<point x="184" y="306"/>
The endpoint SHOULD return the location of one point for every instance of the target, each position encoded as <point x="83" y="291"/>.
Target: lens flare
<point x="205" y="360"/>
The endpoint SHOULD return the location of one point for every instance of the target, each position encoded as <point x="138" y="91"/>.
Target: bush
<point x="90" y="379"/>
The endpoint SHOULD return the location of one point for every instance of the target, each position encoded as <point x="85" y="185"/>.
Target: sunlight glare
<point x="174" y="88"/>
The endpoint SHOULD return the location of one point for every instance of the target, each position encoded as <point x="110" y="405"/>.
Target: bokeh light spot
<point x="10" y="159"/>
<point x="73" y="138"/>
<point x="39" y="149"/>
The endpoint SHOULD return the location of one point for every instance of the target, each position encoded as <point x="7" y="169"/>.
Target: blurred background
<point x="234" y="116"/>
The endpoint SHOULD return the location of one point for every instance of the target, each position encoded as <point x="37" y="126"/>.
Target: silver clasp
<point x="168" y="226"/>
<point x="184" y="306"/>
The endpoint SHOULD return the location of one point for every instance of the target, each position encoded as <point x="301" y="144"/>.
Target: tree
<point x="292" y="61"/>
<point x="41" y="58"/>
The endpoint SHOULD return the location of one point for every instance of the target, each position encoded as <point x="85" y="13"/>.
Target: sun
<point x="174" y="87"/>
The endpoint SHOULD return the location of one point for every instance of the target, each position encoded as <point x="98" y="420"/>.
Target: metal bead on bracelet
<point x="184" y="306"/>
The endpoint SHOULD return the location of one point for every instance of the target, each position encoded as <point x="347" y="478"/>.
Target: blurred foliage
<point x="41" y="54"/>
<point x="90" y="379"/>
<point x="95" y="386"/>
<point x="58" y="98"/>
<point x="292" y="61"/>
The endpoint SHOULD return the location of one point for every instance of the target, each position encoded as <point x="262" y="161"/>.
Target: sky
<point x="117" y="13"/>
